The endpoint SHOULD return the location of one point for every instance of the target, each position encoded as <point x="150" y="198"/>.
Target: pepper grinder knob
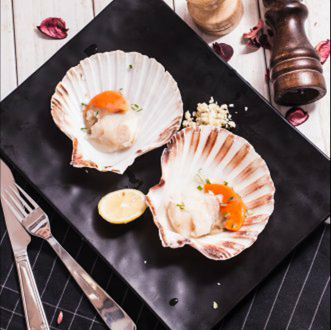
<point x="296" y="69"/>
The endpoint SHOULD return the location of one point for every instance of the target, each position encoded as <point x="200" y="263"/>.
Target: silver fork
<point x="36" y="222"/>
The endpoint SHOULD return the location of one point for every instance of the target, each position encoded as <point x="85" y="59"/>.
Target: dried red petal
<point x="297" y="116"/>
<point x="323" y="49"/>
<point x="252" y="38"/>
<point x="225" y="51"/>
<point x="255" y="30"/>
<point x="54" y="28"/>
<point x="59" y="318"/>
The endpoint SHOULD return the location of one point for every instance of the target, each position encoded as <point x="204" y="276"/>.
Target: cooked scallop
<point x="116" y="107"/>
<point x="222" y="212"/>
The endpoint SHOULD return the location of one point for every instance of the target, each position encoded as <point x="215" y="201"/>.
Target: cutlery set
<point x="23" y="216"/>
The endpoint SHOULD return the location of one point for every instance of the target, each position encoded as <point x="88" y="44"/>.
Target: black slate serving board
<point x="301" y="173"/>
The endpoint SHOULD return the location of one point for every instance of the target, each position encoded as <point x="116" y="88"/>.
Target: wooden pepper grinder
<point x="296" y="70"/>
<point x="216" y="17"/>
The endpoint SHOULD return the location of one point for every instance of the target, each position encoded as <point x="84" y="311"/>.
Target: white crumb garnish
<point x="210" y="114"/>
<point x="231" y="105"/>
<point x="145" y="262"/>
<point x="246" y="108"/>
<point x="215" y="305"/>
<point x="219" y="284"/>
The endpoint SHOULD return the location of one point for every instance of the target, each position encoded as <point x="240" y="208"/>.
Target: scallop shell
<point x="142" y="81"/>
<point x="222" y="156"/>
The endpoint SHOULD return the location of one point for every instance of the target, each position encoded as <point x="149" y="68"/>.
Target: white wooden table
<point x="23" y="49"/>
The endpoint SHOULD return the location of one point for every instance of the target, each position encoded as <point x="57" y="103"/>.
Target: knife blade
<point x="20" y="239"/>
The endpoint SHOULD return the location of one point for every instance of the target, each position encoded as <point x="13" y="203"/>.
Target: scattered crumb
<point x="59" y="318"/>
<point x="236" y="112"/>
<point x="246" y="108"/>
<point x="215" y="305"/>
<point x="231" y="105"/>
<point x="145" y="262"/>
<point x="86" y="171"/>
<point x="210" y="114"/>
<point x="219" y="284"/>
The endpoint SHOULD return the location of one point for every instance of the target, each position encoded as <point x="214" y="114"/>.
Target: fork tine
<point x="18" y="217"/>
<point x="17" y="204"/>
<point x="33" y="203"/>
<point x="26" y="205"/>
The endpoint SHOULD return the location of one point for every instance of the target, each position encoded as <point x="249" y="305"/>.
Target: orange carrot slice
<point x="233" y="207"/>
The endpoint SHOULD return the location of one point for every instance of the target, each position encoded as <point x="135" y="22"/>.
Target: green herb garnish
<point x="226" y="183"/>
<point x="84" y="129"/>
<point x="84" y="104"/>
<point x="96" y="114"/>
<point x="130" y="66"/>
<point x="181" y="206"/>
<point x="136" y="107"/>
<point x="200" y="188"/>
<point x="227" y="215"/>
<point x="208" y="181"/>
<point x="231" y="199"/>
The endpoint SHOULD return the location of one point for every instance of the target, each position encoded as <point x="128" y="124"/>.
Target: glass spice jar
<point x="216" y="17"/>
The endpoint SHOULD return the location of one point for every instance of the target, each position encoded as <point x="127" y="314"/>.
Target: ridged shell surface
<point x="142" y="81"/>
<point x="222" y="156"/>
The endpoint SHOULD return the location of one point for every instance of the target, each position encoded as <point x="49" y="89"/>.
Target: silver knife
<point x="20" y="239"/>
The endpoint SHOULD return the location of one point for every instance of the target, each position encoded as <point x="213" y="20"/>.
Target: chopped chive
<point x="130" y="66"/>
<point x="226" y="183"/>
<point x="208" y="181"/>
<point x="181" y="206"/>
<point x="96" y="114"/>
<point x="136" y="107"/>
<point x="231" y="199"/>
<point x="84" y="129"/>
<point x="84" y="104"/>
<point x="200" y="188"/>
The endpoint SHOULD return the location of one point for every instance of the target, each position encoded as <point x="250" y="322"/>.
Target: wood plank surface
<point x="318" y="28"/>
<point x="33" y="49"/>
<point x="251" y="65"/>
<point x="99" y="5"/>
<point x="8" y="59"/>
<point x="317" y="128"/>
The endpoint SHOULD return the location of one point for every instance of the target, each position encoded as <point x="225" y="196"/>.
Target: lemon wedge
<point x="122" y="206"/>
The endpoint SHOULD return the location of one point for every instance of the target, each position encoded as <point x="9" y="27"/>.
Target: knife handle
<point x="112" y="314"/>
<point x="33" y="308"/>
